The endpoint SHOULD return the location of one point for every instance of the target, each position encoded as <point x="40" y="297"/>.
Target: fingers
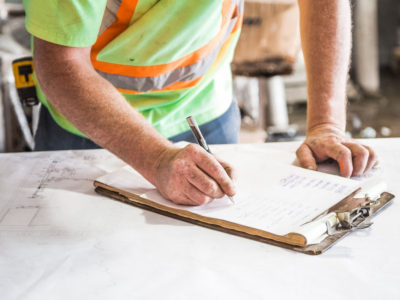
<point x="181" y="190"/>
<point x="183" y="199"/>
<point x="353" y="158"/>
<point x="325" y="142"/>
<point x="195" y="196"/>
<point x="343" y="156"/>
<point x="208" y="164"/>
<point x="191" y="176"/>
<point x="372" y="159"/>
<point x="306" y="157"/>
<point x="230" y="170"/>
<point x="364" y="158"/>
<point x="360" y="156"/>
<point x="203" y="182"/>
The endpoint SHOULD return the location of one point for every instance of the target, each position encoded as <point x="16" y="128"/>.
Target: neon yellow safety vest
<point x="169" y="58"/>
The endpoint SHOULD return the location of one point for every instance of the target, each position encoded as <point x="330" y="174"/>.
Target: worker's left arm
<point x="325" y="27"/>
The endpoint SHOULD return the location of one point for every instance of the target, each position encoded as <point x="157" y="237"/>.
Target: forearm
<point x="325" y="27"/>
<point x="97" y="109"/>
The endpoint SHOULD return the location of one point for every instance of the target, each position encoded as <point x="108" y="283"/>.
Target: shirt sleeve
<point x="73" y="23"/>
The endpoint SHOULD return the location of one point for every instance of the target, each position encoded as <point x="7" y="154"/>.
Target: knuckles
<point x="210" y="187"/>
<point x="362" y="152"/>
<point x="343" y="154"/>
<point x="322" y="144"/>
<point x="180" y="166"/>
<point x="191" y="150"/>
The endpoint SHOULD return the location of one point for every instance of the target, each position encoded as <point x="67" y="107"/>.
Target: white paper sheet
<point x="271" y="196"/>
<point x="81" y="245"/>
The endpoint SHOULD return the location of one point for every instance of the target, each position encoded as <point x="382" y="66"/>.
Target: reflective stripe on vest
<point x="182" y="73"/>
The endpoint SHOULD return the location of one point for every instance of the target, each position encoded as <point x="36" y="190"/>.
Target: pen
<point x="200" y="139"/>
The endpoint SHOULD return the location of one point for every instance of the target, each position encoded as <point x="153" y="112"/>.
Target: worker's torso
<point x="169" y="58"/>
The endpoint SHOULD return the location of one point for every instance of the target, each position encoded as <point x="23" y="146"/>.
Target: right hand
<point x="192" y="176"/>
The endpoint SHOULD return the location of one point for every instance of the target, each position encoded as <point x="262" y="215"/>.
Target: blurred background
<point x="269" y="74"/>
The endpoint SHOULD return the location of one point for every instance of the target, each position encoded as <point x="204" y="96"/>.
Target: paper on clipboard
<point x="271" y="196"/>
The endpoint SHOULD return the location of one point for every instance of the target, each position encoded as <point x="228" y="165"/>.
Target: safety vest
<point x="168" y="58"/>
<point x="184" y="72"/>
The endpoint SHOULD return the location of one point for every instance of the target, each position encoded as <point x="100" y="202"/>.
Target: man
<point x="126" y="73"/>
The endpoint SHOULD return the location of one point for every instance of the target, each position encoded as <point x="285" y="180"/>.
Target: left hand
<point x="327" y="141"/>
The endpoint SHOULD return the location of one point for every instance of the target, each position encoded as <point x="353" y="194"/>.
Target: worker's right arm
<point x="92" y="104"/>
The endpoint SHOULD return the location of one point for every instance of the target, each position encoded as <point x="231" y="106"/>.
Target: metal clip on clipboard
<point x="357" y="218"/>
<point x="352" y="213"/>
<point x="353" y="218"/>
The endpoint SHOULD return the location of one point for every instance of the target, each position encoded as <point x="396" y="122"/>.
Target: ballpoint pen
<point x="200" y="139"/>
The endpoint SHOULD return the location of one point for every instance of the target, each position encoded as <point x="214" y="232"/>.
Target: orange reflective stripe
<point x="190" y="83"/>
<point x="122" y="23"/>
<point x="225" y="47"/>
<point x="238" y="24"/>
<point x="124" y="15"/>
<point x="181" y="74"/>
<point x="175" y="86"/>
<point x="239" y="15"/>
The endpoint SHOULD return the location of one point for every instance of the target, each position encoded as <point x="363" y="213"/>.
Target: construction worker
<point x="126" y="73"/>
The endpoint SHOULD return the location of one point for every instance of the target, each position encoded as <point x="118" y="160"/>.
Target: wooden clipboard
<point x="292" y="241"/>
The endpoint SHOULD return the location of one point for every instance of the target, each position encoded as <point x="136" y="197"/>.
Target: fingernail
<point x="310" y="167"/>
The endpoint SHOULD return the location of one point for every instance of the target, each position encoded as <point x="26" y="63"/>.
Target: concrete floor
<point x="367" y="117"/>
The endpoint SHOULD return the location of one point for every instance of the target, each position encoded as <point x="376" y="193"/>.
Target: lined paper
<point x="271" y="196"/>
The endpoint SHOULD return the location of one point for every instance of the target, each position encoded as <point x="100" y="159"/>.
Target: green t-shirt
<point x="156" y="33"/>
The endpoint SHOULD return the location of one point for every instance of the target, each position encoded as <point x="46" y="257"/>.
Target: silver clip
<point x="358" y="218"/>
<point x="331" y="230"/>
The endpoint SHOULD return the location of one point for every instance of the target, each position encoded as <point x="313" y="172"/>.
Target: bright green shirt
<point x="159" y="32"/>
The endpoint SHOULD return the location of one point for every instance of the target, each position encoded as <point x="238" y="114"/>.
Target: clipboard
<point x="351" y="213"/>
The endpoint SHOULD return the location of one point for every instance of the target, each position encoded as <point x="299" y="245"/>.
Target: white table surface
<point x="61" y="240"/>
